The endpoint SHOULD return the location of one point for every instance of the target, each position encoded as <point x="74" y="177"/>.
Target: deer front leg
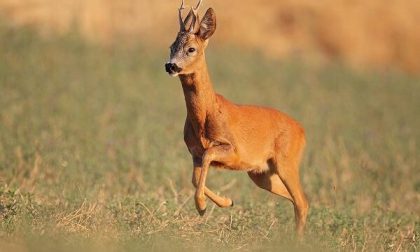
<point x="221" y="153"/>
<point x="218" y="200"/>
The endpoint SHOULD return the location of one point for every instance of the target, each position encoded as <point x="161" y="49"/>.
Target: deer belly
<point x="259" y="167"/>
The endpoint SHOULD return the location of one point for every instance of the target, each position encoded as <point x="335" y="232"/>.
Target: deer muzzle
<point x="172" y="68"/>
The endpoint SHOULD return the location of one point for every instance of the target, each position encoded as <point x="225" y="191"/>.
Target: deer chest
<point x="199" y="138"/>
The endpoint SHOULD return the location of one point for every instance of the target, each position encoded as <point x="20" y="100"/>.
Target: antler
<point x="195" y="16"/>
<point x="181" y="23"/>
<point x="191" y="15"/>
<point x="198" y="5"/>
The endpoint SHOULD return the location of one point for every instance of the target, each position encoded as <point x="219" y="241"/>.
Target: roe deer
<point x="264" y="142"/>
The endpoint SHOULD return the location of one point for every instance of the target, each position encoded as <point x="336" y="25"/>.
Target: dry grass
<point x="372" y="33"/>
<point x="92" y="153"/>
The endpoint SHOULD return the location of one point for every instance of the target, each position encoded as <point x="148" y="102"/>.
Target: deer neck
<point x="199" y="95"/>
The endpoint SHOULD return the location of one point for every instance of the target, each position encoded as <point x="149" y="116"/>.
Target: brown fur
<point x="264" y="142"/>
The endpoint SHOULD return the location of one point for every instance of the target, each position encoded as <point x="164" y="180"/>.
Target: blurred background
<point x="91" y="146"/>
<point x="376" y="33"/>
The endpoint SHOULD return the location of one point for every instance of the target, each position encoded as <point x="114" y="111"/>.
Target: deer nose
<point x="172" y="68"/>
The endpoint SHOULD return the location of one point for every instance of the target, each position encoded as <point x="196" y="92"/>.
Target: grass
<point x="347" y="30"/>
<point x="92" y="153"/>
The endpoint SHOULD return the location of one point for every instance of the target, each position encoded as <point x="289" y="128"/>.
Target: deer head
<point x="187" y="52"/>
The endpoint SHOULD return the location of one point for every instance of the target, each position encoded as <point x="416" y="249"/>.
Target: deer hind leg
<point x="287" y="167"/>
<point x="218" y="200"/>
<point x="271" y="182"/>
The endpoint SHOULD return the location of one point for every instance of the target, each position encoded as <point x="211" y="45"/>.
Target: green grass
<point x="92" y="153"/>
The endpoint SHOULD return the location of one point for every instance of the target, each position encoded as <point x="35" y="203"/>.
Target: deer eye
<point x="191" y="49"/>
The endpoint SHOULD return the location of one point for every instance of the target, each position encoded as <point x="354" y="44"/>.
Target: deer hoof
<point x="201" y="212"/>
<point x="232" y="204"/>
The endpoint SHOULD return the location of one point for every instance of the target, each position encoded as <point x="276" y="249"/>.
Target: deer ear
<point x="207" y="25"/>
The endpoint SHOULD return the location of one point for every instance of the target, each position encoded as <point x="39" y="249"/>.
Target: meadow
<point x="347" y="30"/>
<point x="92" y="154"/>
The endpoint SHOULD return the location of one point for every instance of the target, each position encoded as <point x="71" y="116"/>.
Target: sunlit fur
<point x="264" y="142"/>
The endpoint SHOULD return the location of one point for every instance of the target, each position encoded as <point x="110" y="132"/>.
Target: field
<point x="92" y="153"/>
<point x="347" y="30"/>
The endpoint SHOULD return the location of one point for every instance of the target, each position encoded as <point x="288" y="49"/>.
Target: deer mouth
<point x="172" y="69"/>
